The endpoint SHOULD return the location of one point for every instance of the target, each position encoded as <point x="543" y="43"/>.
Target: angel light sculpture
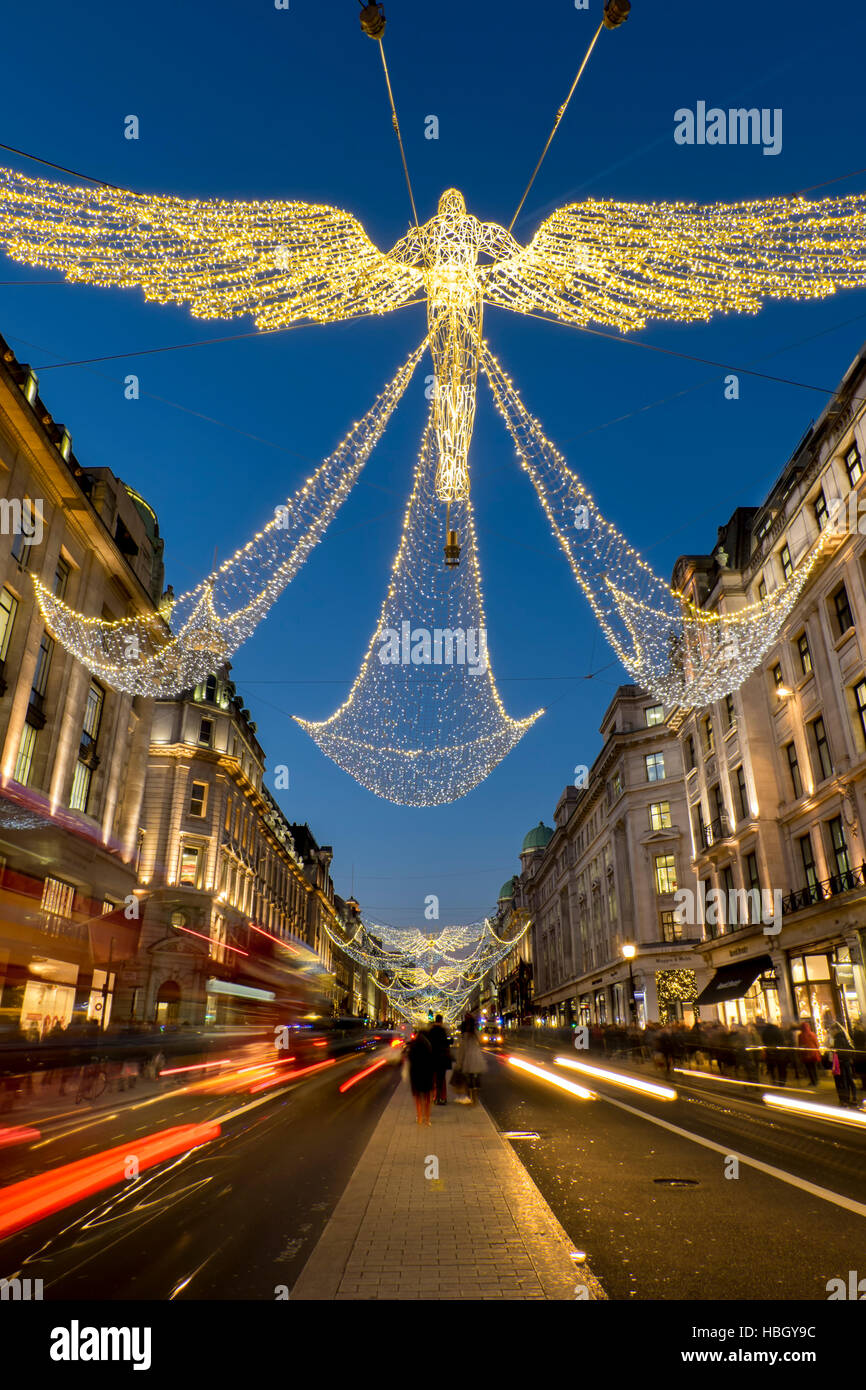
<point x="599" y="262"/>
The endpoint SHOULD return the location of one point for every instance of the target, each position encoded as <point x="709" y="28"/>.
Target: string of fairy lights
<point x="421" y="973"/>
<point x="680" y="653"/>
<point x="424" y="722"/>
<point x="175" y="648"/>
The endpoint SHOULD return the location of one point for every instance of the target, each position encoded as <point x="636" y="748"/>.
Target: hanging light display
<point x="618" y="265"/>
<point x="680" y="653"/>
<point x="421" y="973"/>
<point x="174" y="648"/>
<point x="424" y="722"/>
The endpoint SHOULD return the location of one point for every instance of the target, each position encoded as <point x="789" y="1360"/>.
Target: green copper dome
<point x="538" y="837"/>
<point x="506" y="892"/>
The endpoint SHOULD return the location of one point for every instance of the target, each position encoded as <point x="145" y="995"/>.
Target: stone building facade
<point x="605" y="876"/>
<point x="238" y="906"/>
<point x="74" y="751"/>
<point x="776" y="774"/>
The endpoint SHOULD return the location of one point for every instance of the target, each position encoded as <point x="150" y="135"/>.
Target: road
<point x="230" y="1220"/>
<point x="605" y="1168"/>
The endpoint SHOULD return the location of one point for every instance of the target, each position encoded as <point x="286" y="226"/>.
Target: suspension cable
<point x="559" y="115"/>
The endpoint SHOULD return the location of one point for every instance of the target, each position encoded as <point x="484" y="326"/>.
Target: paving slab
<point x="483" y="1231"/>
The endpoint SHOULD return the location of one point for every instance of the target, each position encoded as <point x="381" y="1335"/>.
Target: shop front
<point x="743" y="991"/>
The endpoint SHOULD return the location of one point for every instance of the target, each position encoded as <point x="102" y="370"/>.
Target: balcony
<point x="845" y="882"/>
<point x="718" y="829"/>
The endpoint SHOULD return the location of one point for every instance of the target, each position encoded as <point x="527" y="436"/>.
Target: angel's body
<point x="446" y="251"/>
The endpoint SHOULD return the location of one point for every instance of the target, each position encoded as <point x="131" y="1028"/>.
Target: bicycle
<point x="92" y="1083"/>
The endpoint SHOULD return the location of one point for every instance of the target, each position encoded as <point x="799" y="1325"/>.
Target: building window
<point x="615" y="786"/>
<point x="821" y="513"/>
<point x="787" y="563"/>
<point x="218" y="937"/>
<point x="61" y="578"/>
<point x="776" y="673"/>
<point x="205" y="733"/>
<point x="839" y="846"/>
<point x="655" y="767"/>
<point x="842" y="608"/>
<point x="822" y="747"/>
<point x="666" y="873"/>
<point x="43" y="665"/>
<point x="210" y="690"/>
<point x="808" y="860"/>
<point x="57" y="897"/>
<point x="754" y="887"/>
<point x="762" y="589"/>
<point x="718" y="806"/>
<point x="672" y="930"/>
<point x="660" y="815"/>
<point x="190" y="866"/>
<point x="690" y="753"/>
<point x="730" y="712"/>
<point x="860" y="702"/>
<point x="741" y="798"/>
<point x="198" y="799"/>
<point x="853" y="465"/>
<point x="8" y="609"/>
<point x="93" y="711"/>
<point x="80" y="794"/>
<point x="700" y="827"/>
<point x="794" y="769"/>
<point x="728" y="890"/>
<point x="227" y="823"/>
<point x="804" y="654"/>
<point x="24" y="761"/>
<point x="709" y="738"/>
<point x="655" y="714"/>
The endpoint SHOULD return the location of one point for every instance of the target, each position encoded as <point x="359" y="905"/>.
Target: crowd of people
<point x="429" y="1058"/>
<point x="757" y="1051"/>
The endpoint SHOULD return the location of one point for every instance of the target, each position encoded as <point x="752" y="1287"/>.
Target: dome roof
<point x="537" y="838"/>
<point x="506" y="892"/>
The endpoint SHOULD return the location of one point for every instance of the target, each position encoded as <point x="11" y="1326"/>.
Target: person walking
<point x="470" y="1059"/>
<point x="440" y="1043"/>
<point x="843" y="1052"/>
<point x="420" y="1055"/>
<point x="810" y="1054"/>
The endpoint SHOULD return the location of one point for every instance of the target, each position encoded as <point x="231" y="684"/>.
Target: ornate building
<point x="776" y="774"/>
<point x="605" y="876"/>
<point x="239" y="912"/>
<point x="74" y="752"/>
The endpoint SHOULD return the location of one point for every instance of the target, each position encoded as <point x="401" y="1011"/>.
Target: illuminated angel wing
<point x="620" y="264"/>
<point x="276" y="261"/>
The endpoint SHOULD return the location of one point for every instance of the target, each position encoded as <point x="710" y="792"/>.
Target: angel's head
<point x="452" y="203"/>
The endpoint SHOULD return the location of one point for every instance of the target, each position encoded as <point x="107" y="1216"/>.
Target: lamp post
<point x="630" y="951"/>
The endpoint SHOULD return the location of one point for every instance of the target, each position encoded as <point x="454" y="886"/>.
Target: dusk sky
<point x="246" y="101"/>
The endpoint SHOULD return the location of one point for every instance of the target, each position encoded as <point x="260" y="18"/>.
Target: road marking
<point x="847" y="1203"/>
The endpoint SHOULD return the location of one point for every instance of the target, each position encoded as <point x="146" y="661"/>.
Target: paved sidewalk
<point x="482" y="1231"/>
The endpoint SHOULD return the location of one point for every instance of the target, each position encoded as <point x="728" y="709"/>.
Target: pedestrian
<point x="420" y="1055"/>
<point x="777" y="1062"/>
<point x="842" y="1065"/>
<point x="442" y="1060"/>
<point x="470" y="1059"/>
<point x="810" y="1054"/>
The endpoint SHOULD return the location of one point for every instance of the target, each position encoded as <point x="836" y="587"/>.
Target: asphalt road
<point x="605" y="1168"/>
<point x="230" y="1220"/>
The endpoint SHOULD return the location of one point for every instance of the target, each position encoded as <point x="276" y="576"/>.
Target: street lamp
<point x="630" y="951"/>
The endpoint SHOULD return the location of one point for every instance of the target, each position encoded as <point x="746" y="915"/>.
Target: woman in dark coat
<point x="421" y="1075"/>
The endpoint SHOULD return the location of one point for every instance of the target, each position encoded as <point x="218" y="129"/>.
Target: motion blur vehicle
<point x="490" y="1035"/>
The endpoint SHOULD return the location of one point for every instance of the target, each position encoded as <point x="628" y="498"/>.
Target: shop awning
<point x="733" y="981"/>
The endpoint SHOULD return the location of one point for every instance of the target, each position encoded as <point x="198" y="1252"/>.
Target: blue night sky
<point x="245" y="101"/>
